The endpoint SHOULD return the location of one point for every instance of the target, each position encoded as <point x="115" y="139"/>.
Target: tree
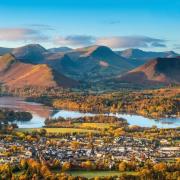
<point x="122" y="166"/>
<point x="88" y="165"/>
<point x="160" y="167"/>
<point x="66" y="166"/>
<point x="75" y="145"/>
<point x="23" y="164"/>
<point x="145" y="174"/>
<point x="42" y="132"/>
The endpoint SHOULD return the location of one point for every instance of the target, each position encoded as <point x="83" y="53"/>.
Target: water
<point x="40" y="112"/>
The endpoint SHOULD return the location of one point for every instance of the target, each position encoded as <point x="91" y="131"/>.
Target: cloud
<point x="158" y="44"/>
<point x="42" y="27"/>
<point x="21" y="34"/>
<point x="75" y="40"/>
<point x="113" y="42"/>
<point x="177" y="46"/>
<point x="130" y="42"/>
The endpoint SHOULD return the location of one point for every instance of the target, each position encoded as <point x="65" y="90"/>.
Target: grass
<point x="88" y="174"/>
<point x="92" y="174"/>
<point x="18" y="173"/>
<point x="57" y="130"/>
<point x="96" y="125"/>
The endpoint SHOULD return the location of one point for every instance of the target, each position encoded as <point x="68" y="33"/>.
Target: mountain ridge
<point x="14" y="73"/>
<point x="89" y="64"/>
<point x="156" y="71"/>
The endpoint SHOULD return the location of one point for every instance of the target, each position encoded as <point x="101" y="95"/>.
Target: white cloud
<point x="75" y="40"/>
<point x="36" y="35"/>
<point x="21" y="34"/>
<point x="130" y="42"/>
<point x="113" y="42"/>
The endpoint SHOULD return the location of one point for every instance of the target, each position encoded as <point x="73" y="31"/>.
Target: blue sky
<point x="145" y="24"/>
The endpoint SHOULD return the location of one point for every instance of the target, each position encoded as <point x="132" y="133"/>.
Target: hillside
<point x="87" y="64"/>
<point x="6" y="61"/>
<point x="98" y="62"/>
<point x="158" y="71"/>
<point x="31" y="53"/>
<point x="138" y="57"/>
<point x="14" y="73"/>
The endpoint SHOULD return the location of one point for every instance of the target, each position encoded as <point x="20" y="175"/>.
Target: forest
<point x="155" y="103"/>
<point x="150" y="103"/>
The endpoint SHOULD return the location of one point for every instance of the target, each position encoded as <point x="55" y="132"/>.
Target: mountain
<point x="31" y="53"/>
<point x="138" y="57"/>
<point x="161" y="71"/>
<point x="90" y="64"/>
<point x="14" y="73"/>
<point x="97" y="62"/>
<point x="4" y="50"/>
<point x="59" y="50"/>
<point x="62" y="63"/>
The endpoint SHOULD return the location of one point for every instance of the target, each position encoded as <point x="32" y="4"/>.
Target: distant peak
<point x="92" y="48"/>
<point x="33" y="46"/>
<point x="132" y="50"/>
<point x="60" y="49"/>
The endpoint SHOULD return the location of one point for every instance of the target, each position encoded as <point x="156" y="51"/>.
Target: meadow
<point x="57" y="130"/>
<point x="92" y="174"/>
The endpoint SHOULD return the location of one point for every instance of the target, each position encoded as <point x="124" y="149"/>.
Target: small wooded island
<point x="8" y="116"/>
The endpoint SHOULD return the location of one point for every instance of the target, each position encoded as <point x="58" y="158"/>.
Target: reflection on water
<point x="71" y="114"/>
<point x="146" y="122"/>
<point x="41" y="112"/>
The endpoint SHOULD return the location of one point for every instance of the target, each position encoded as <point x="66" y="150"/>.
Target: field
<point x="91" y="174"/>
<point x="57" y="130"/>
<point x="96" y="125"/>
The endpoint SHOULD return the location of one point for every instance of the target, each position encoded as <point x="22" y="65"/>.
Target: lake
<point x="40" y="112"/>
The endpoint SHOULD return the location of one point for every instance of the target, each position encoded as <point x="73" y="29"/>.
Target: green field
<point x="57" y="130"/>
<point x="96" y="125"/>
<point x="91" y="174"/>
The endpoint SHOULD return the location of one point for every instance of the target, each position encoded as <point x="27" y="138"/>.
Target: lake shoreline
<point x="32" y="100"/>
<point x="39" y="117"/>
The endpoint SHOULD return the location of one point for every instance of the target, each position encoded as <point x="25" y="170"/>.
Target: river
<point x="40" y="112"/>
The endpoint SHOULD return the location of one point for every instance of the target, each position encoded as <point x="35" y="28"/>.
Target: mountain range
<point x="59" y="66"/>
<point x="138" y="57"/>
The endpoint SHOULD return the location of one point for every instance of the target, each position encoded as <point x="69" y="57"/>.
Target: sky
<point x="119" y="24"/>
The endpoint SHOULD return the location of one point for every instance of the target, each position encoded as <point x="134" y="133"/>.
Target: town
<point x="71" y="152"/>
<point x="76" y="149"/>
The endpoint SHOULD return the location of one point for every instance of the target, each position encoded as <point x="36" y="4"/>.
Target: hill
<point x="158" y="71"/>
<point x="97" y="62"/>
<point x="87" y="64"/>
<point x="14" y="73"/>
<point x="138" y="57"/>
<point x="31" y="53"/>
